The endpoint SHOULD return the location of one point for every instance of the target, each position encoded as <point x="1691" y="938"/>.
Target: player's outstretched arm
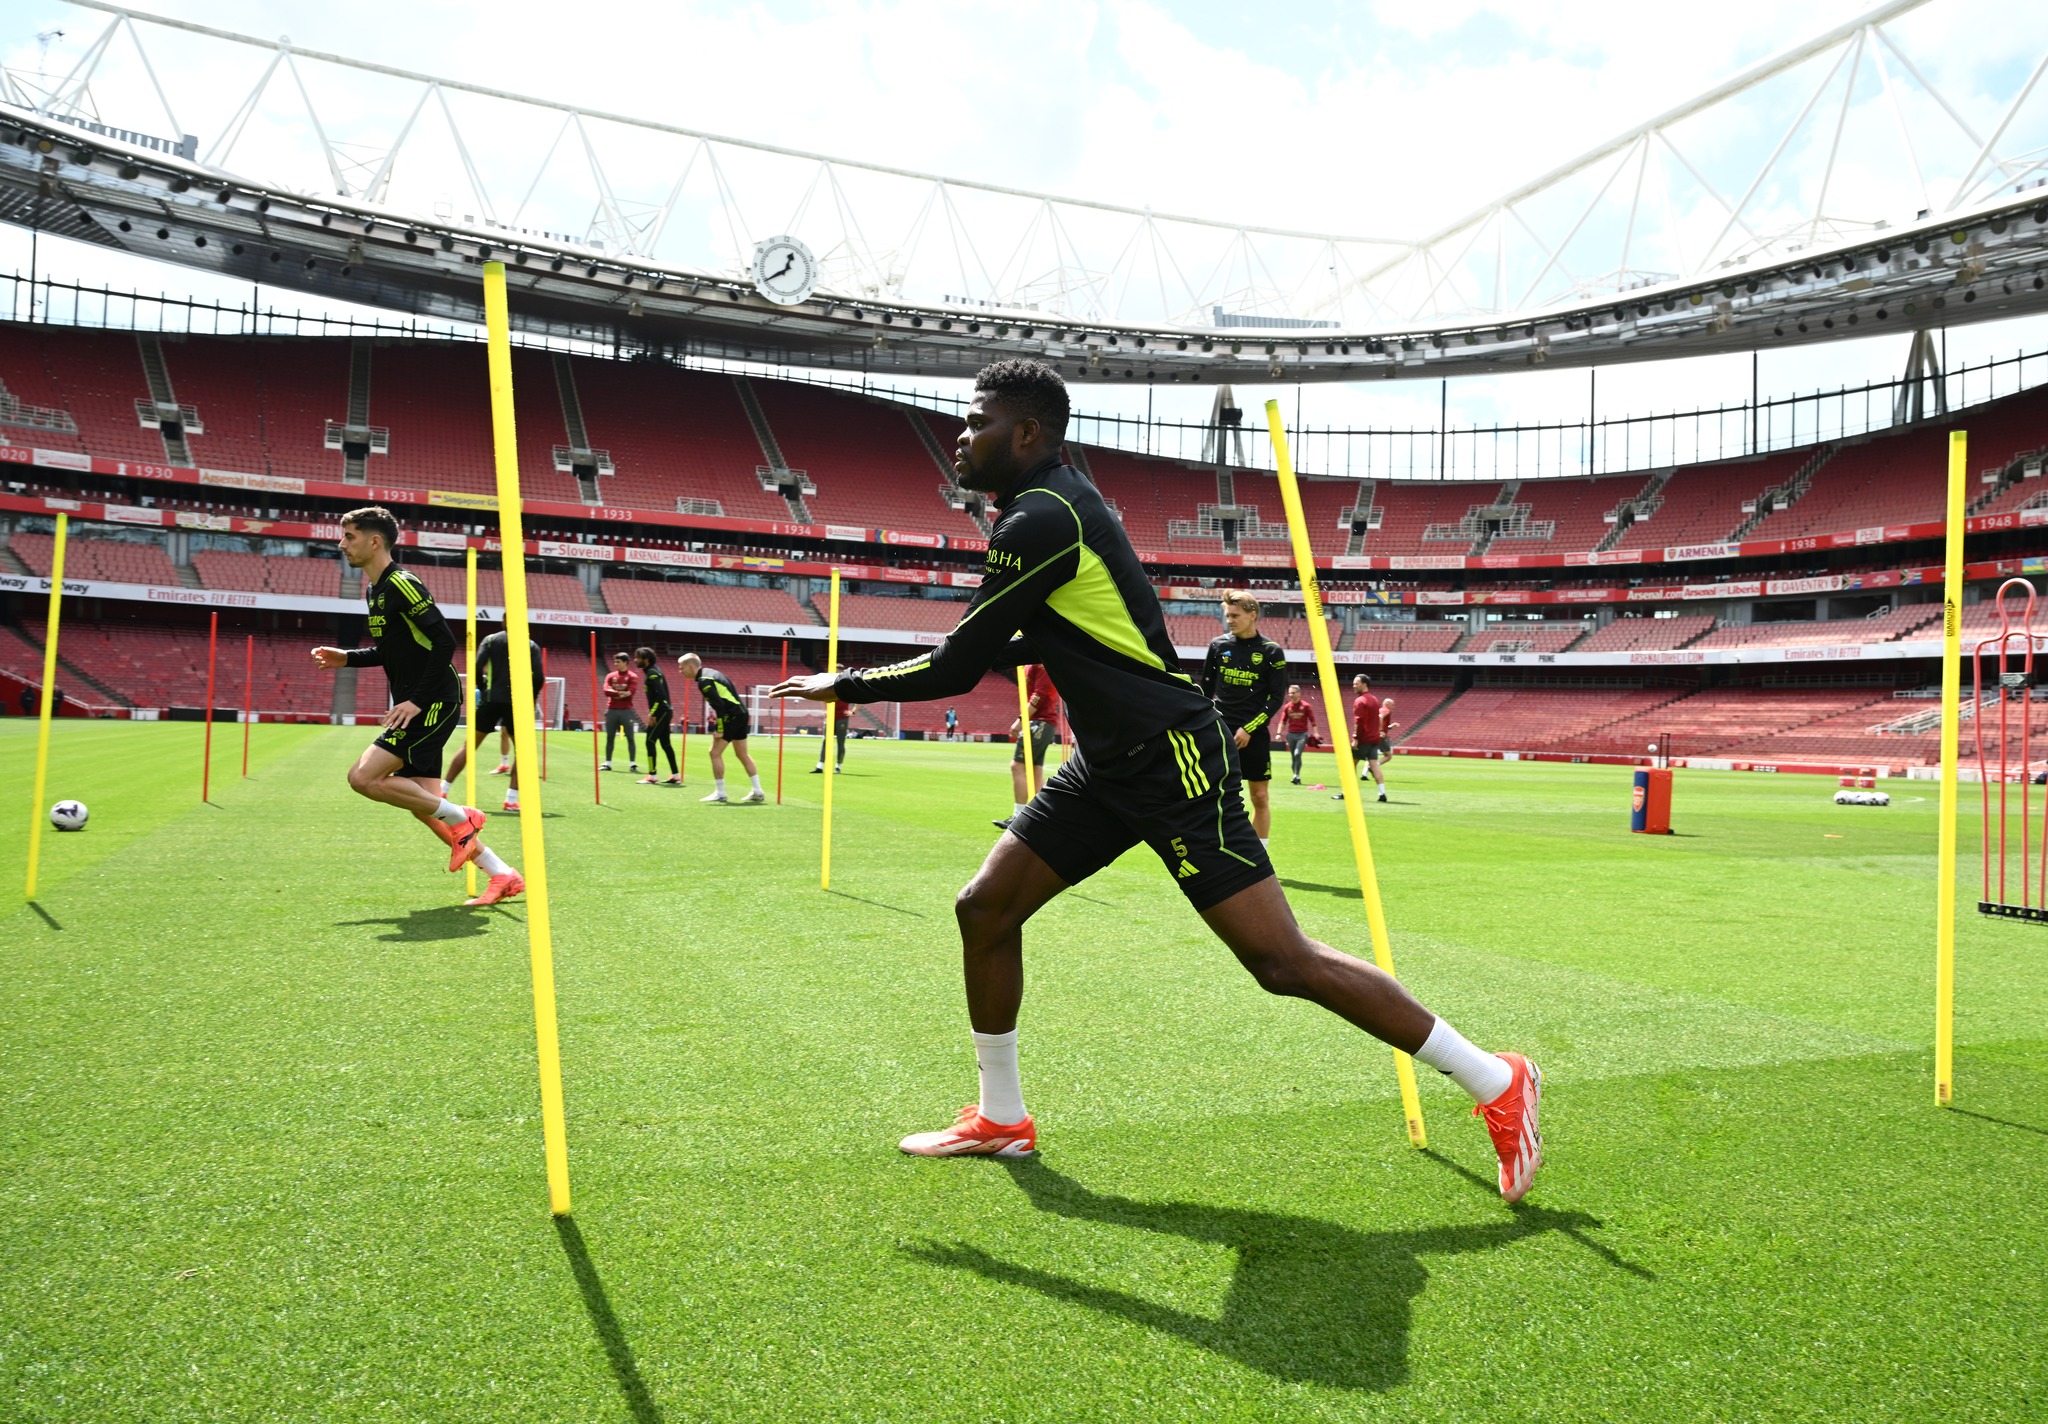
<point x="814" y="687"/>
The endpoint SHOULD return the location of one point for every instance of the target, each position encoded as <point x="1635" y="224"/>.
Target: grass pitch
<point x="270" y="1123"/>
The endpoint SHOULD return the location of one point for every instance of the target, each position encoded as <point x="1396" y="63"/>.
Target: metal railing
<point x="1565" y="449"/>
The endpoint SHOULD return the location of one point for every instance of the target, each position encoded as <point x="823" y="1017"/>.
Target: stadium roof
<point x="276" y="199"/>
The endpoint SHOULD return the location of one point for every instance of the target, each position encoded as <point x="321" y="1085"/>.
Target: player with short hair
<point x="726" y="713"/>
<point x="620" y="686"/>
<point x="1042" y="700"/>
<point x="412" y="642"/>
<point x="1297" y="724"/>
<point x="1153" y="763"/>
<point x="1245" y="675"/>
<point x="660" y="717"/>
<point x="1372" y="732"/>
<point x="492" y="699"/>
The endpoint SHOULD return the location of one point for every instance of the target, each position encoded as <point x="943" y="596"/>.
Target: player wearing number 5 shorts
<point x="1153" y="764"/>
<point x="1245" y="675"/>
<point x="725" y="715"/>
<point x="412" y="642"/>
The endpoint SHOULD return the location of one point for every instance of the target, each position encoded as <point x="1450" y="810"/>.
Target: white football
<point x="68" y="815"/>
<point x="1653" y="746"/>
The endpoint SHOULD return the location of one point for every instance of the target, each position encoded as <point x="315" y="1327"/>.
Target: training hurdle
<point x="2005" y="755"/>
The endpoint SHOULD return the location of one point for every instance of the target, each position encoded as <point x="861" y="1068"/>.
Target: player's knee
<point x="360" y="779"/>
<point x="980" y="913"/>
<point x="1280" y="970"/>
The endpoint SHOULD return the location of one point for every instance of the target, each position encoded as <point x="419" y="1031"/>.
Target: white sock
<point x="757" y="780"/>
<point x="450" y="814"/>
<point x="511" y="796"/>
<point x="1017" y="809"/>
<point x="488" y="859"/>
<point x="718" y="785"/>
<point x="1478" y="1072"/>
<point x="1002" y="1097"/>
<point x="1264" y="843"/>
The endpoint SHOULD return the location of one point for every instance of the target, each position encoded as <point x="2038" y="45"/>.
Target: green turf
<point x="270" y="1124"/>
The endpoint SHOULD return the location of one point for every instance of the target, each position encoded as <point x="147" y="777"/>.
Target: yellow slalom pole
<point x="1333" y="709"/>
<point x="469" y="712"/>
<point x="532" y="845"/>
<point x="35" y="806"/>
<point x="825" y="752"/>
<point x="1024" y="734"/>
<point x="1951" y="725"/>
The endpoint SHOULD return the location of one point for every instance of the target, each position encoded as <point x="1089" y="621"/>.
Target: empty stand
<point x="1535" y="719"/>
<point x="1626" y="635"/>
<point x="1525" y="637"/>
<point x="1702" y="504"/>
<point x="1407" y="511"/>
<point x="909" y="615"/>
<point x="1378" y="637"/>
<point x="435" y="399"/>
<point x="664" y="598"/>
<point x="112" y="560"/>
<point x="99" y="375"/>
<point x="542" y="590"/>
<point x="1574" y="512"/>
<point x="673" y="434"/>
<point x="870" y="468"/>
<point x="1888" y="627"/>
<point x="269" y="573"/>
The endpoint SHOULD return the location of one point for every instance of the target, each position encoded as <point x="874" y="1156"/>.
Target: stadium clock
<point x="784" y="270"/>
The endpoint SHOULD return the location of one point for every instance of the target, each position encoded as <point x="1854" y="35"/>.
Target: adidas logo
<point x="1186" y="870"/>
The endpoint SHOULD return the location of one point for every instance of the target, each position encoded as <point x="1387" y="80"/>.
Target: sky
<point x="1377" y="117"/>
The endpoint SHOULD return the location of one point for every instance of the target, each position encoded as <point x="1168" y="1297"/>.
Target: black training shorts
<point x="1255" y="757"/>
<point x="1043" y="735"/>
<point x="419" y="745"/>
<point x="734" y="725"/>
<point x="1178" y="792"/>
<point x="492" y="716"/>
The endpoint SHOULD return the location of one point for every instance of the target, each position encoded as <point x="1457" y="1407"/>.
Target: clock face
<point x="784" y="270"/>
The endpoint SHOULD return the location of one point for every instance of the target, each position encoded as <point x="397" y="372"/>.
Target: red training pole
<point x="544" y="714"/>
<point x="781" y="723"/>
<point x="212" y="643"/>
<point x="596" y="781"/>
<point x="248" y="699"/>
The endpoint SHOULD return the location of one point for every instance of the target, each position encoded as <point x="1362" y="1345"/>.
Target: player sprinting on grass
<point x="1245" y="675"/>
<point x="726" y="711"/>
<point x="492" y="702"/>
<point x="412" y="642"/>
<point x="661" y="715"/>
<point x="1153" y="762"/>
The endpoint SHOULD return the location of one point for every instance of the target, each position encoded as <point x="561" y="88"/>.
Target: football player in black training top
<point x="660" y="717"/>
<point x="412" y="642"/>
<point x="492" y="702"/>
<point x="1245" y="675"/>
<point x="1152" y="763"/>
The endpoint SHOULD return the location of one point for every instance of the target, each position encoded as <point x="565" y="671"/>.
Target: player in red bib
<point x="1372" y="731"/>
<point x="1297" y="724"/>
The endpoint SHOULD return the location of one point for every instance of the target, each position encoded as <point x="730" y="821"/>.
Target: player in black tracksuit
<point x="412" y="642"/>
<point x="492" y="703"/>
<point x="1245" y="675"/>
<point x="660" y="717"/>
<point x="1153" y="762"/>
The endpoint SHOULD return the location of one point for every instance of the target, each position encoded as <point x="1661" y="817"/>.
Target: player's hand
<point x="1016" y="726"/>
<point x="330" y="658"/>
<point x="401" y="715"/>
<point x="815" y="688"/>
<point x="1244" y="738"/>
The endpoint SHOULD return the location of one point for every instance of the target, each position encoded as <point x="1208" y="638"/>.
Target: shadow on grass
<point x="617" y="1349"/>
<point x="895" y="909"/>
<point x="1965" y="1112"/>
<point x="442" y="922"/>
<point x="1605" y="1253"/>
<point x="46" y="917"/>
<point x="1314" y="889"/>
<point x="1310" y="1301"/>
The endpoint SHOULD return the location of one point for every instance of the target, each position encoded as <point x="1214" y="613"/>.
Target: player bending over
<point x="493" y="703"/>
<point x="730" y="725"/>
<point x="412" y="642"/>
<point x="1245" y="675"/>
<point x="1153" y="762"/>
<point x="660" y="717"/>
